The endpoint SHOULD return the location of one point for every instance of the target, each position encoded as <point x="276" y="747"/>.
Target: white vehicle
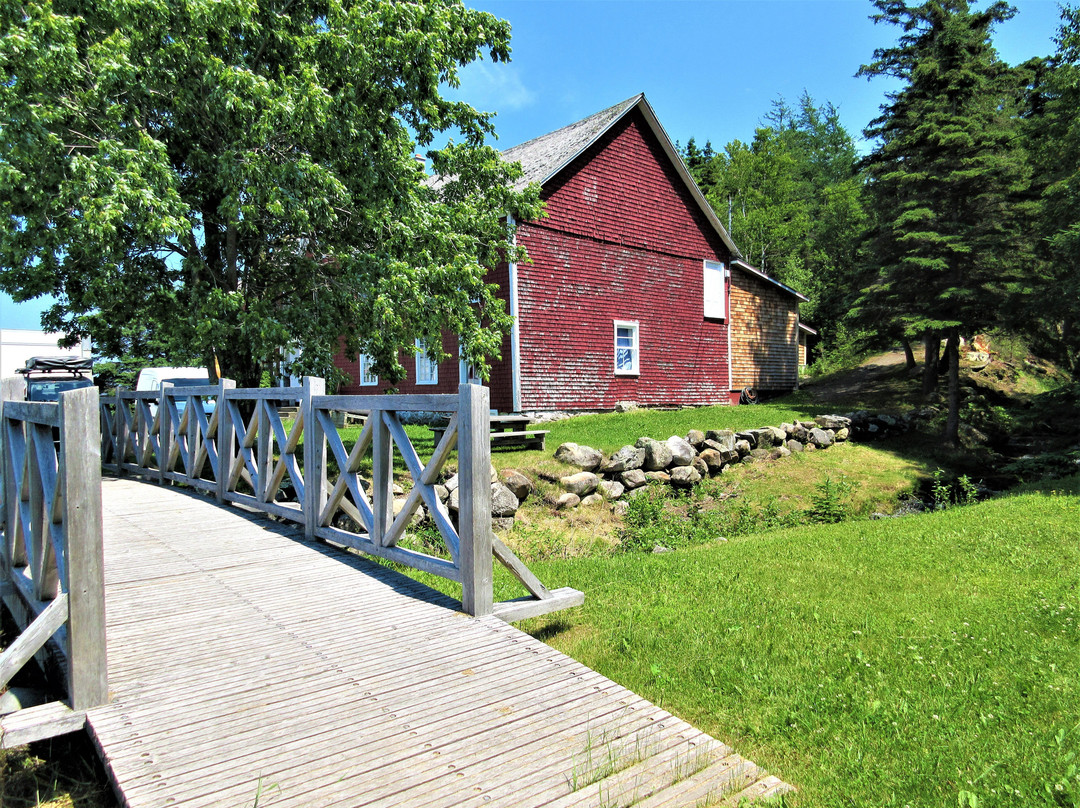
<point x="151" y="379"/>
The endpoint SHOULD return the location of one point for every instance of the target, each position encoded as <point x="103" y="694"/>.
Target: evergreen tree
<point x="945" y="176"/>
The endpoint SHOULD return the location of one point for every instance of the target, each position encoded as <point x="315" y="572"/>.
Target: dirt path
<point x="876" y="377"/>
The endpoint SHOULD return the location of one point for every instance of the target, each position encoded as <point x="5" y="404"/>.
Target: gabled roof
<point x="542" y="158"/>
<point x="782" y="286"/>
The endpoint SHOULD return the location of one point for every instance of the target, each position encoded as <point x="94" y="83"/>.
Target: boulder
<point x="713" y="460"/>
<point x="518" y="483"/>
<point x="398" y="490"/>
<point x="610" y="489"/>
<point x="800" y="433"/>
<point x="750" y="458"/>
<point x="592" y="499"/>
<point x="451" y="483"/>
<point x="832" y="421"/>
<point x="627" y="458"/>
<point x="809" y="448"/>
<point x="842" y="434"/>
<point x="779" y="452"/>
<point x="503" y="501"/>
<point x="700" y="466"/>
<point x="442" y="492"/>
<point x="794" y="446"/>
<point x="695" y="437"/>
<point x="820" y="438"/>
<point x="502" y="523"/>
<point x="567" y="500"/>
<point x="620" y="508"/>
<point x="743" y="447"/>
<point x="582" y="483"/>
<point x="778" y="435"/>
<point x="748" y="435"/>
<point x="724" y="438"/>
<point x="658" y="476"/>
<point x="657" y="454"/>
<point x="759" y="454"/>
<point x="789" y="429"/>
<point x="685" y="476"/>
<point x="584" y="457"/>
<point x="682" y="453"/>
<point x="763" y="438"/>
<point x="635" y="478"/>
<point x="626" y="406"/>
<point x="417" y="517"/>
<point x="454" y="500"/>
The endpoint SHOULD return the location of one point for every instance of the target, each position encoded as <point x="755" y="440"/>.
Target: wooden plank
<point x="411" y="558"/>
<point x="314" y="456"/>
<point x="45" y="413"/>
<point x="32" y="638"/>
<point x="34" y="724"/>
<point x="80" y="466"/>
<point x="507" y="557"/>
<point x="513" y="610"/>
<point x="436" y="402"/>
<point x="474" y="509"/>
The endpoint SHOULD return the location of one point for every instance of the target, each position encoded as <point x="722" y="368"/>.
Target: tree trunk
<point x="909" y="354"/>
<point x="931" y="364"/>
<point x="952" y="355"/>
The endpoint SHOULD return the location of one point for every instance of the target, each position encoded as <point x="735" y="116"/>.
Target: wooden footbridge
<point x="221" y="657"/>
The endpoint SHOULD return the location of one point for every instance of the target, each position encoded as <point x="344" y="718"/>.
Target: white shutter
<point x="714" y="290"/>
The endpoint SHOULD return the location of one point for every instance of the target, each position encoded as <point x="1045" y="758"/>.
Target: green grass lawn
<point x="928" y="660"/>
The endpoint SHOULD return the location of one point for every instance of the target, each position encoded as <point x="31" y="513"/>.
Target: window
<point x="427" y="372"/>
<point x="626" y="348"/>
<point x="715" y="307"/>
<point x="368" y="376"/>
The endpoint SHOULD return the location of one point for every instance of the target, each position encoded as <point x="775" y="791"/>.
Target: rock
<point x="809" y="448"/>
<point x="503" y="501"/>
<point x="695" y="437"/>
<point x="661" y="549"/>
<point x="820" y="438"/>
<point x="789" y="429"/>
<point x="398" y="490"/>
<point x="626" y="406"/>
<point x="610" y="489"/>
<point x="658" y="476"/>
<point x="832" y="421"/>
<point x="442" y="492"/>
<point x="778" y="435"/>
<point x="685" y="476"/>
<point x="887" y="420"/>
<point x="763" y="438"/>
<point x="750" y="458"/>
<point x="713" y="460"/>
<point x="584" y="457"/>
<point x="520" y="485"/>
<point x="794" y="446"/>
<point x="592" y="499"/>
<point x="800" y="433"/>
<point x="451" y="483"/>
<point x="682" y="453"/>
<point x="454" y="500"/>
<point x="502" y="523"/>
<point x="842" y="435"/>
<point x="657" y="454"/>
<point x="494" y="475"/>
<point x="635" y="478"/>
<point x="749" y="435"/>
<point x="627" y="458"/>
<point x="779" y="452"/>
<point x="634" y="493"/>
<point x="582" y="483"/>
<point x="700" y="466"/>
<point x="18" y="698"/>
<point x="725" y="439"/>
<point x="567" y="500"/>
<point x="743" y="447"/>
<point x="620" y="508"/>
<point x="417" y="517"/>
<point x="759" y="454"/>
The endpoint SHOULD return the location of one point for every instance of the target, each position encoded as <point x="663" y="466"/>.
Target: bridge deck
<point x="249" y="667"/>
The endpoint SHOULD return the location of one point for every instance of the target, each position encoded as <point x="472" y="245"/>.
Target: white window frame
<point x="431" y="376"/>
<point x="367" y="378"/>
<point x="635" y="349"/>
<point x="714" y="279"/>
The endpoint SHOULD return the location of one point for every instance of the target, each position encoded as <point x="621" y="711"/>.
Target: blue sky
<point x="710" y="69"/>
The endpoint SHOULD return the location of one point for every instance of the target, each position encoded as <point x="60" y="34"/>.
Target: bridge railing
<point x="235" y="443"/>
<point x="51" y="561"/>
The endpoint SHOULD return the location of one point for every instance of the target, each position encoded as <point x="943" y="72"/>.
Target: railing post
<point x="164" y="430"/>
<point x="474" y="510"/>
<point x="223" y="439"/>
<point x="121" y="426"/>
<point x="314" y="457"/>
<point x="11" y="389"/>
<point x="80" y="477"/>
<point x="382" y="477"/>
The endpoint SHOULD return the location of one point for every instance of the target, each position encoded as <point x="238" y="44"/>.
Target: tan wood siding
<point x="764" y="335"/>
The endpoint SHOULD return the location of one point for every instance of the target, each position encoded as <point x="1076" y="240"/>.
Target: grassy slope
<point x="872" y="663"/>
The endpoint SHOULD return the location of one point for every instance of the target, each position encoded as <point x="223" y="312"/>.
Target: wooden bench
<point x="507" y="430"/>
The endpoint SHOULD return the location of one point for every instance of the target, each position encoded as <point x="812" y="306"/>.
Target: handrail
<point x="240" y="449"/>
<point x="51" y="559"/>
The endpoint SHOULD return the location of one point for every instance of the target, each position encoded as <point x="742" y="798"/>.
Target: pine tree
<point x="945" y="175"/>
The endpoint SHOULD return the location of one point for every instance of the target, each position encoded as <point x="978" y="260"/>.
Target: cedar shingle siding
<point x="764" y="335"/>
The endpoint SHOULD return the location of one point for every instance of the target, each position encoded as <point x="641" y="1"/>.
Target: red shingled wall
<point x="631" y="247"/>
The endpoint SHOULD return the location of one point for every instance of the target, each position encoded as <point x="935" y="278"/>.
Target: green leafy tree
<point x="946" y="176"/>
<point x="238" y="178"/>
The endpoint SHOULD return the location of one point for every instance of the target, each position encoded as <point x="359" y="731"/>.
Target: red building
<point x="634" y="292"/>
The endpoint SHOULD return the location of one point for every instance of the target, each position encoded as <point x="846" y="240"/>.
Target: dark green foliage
<point x="948" y="178"/>
<point x="238" y="179"/>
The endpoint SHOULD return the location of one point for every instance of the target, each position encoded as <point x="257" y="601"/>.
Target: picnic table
<point x="507" y="430"/>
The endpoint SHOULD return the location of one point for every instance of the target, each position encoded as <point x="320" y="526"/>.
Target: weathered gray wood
<point x="474" y="511"/>
<point x="32" y="638"/>
<point x="314" y="456"/>
<point x="11" y="389"/>
<point x="39" y="723"/>
<point x="526" y="576"/>
<point x="266" y="394"/>
<point x="80" y="467"/>
<point x="382" y="477"/>
<point x="436" y="402"/>
<point x="166" y="409"/>
<point x="513" y="610"/>
<point x="263" y="459"/>
<point x="33" y="412"/>
<point x="225" y="450"/>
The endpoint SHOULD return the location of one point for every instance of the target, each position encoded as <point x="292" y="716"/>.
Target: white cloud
<point x="493" y="87"/>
